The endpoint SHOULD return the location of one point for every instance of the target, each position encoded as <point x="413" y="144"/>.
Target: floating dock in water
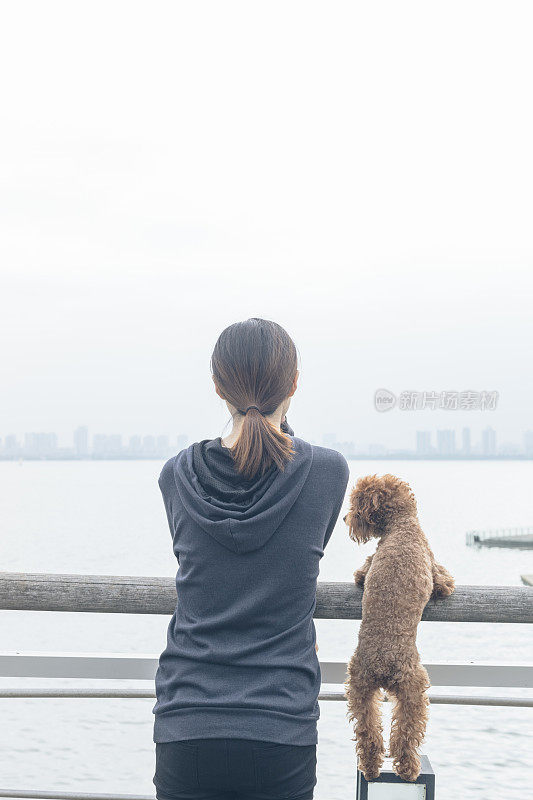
<point x="521" y="538"/>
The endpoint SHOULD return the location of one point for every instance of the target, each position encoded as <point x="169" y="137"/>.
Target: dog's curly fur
<point x="398" y="581"/>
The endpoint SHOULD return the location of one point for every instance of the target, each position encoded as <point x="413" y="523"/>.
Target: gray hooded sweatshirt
<point x="240" y="659"/>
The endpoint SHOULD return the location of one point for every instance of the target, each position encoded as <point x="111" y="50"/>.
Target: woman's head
<point x="255" y="370"/>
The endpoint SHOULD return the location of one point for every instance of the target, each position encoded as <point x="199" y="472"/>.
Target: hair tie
<point x="249" y="407"/>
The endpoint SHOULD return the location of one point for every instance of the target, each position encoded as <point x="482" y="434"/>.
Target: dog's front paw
<point x="443" y="587"/>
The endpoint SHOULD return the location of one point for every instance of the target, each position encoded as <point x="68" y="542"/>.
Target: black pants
<point x="234" y="769"/>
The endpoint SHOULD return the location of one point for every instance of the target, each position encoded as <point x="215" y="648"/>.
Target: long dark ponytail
<point x="254" y="364"/>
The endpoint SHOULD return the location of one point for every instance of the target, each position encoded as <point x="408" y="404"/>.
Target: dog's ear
<point x="358" y="520"/>
<point x="358" y="530"/>
<point x="374" y="502"/>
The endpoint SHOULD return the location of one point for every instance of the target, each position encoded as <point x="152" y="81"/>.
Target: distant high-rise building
<point x="446" y="442"/>
<point x="114" y="444"/>
<point x="376" y="450"/>
<point x="488" y="442"/>
<point x="134" y="445"/>
<point x="467" y="442"/>
<point x="107" y="445"/>
<point x="181" y="441"/>
<point x="100" y="447"/>
<point x="528" y="443"/>
<point x="11" y="445"/>
<point x="346" y="448"/>
<point x="40" y="444"/>
<point x="162" y="445"/>
<point x="81" y="441"/>
<point x="508" y="449"/>
<point x="148" y="446"/>
<point x="423" y="443"/>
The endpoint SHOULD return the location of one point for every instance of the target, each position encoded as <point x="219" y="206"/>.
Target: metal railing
<point x="153" y="595"/>
<point x="472" y="537"/>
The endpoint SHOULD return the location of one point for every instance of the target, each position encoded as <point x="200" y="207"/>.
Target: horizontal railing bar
<point x="136" y="694"/>
<point x="123" y="594"/>
<point x="113" y="666"/>
<point x="450" y="673"/>
<point x="455" y="699"/>
<point x="36" y="794"/>
<point x="501" y="533"/>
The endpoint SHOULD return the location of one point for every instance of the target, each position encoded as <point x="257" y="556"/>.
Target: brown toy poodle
<point x="398" y="581"/>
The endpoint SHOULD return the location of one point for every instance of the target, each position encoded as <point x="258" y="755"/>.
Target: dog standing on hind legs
<point x="398" y="580"/>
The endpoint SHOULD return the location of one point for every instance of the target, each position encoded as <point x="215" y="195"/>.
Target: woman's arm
<point x="166" y="486"/>
<point x="343" y="473"/>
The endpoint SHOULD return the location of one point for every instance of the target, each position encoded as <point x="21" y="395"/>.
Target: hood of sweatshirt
<point x="241" y="515"/>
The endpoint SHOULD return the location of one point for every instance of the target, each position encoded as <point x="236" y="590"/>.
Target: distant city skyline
<point x="102" y="446"/>
<point x="446" y="445"/>
<point x="436" y="443"/>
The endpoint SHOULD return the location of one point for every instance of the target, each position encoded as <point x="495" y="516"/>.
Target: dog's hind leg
<point x="409" y="720"/>
<point x="363" y="696"/>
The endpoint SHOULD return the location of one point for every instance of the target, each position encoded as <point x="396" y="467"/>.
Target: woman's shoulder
<point x="330" y="460"/>
<point x="330" y="457"/>
<point x="166" y="478"/>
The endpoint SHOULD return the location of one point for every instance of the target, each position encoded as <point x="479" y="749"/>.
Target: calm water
<point x="107" y="517"/>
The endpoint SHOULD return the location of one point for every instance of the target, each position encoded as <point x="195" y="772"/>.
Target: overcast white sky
<point x="360" y="172"/>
